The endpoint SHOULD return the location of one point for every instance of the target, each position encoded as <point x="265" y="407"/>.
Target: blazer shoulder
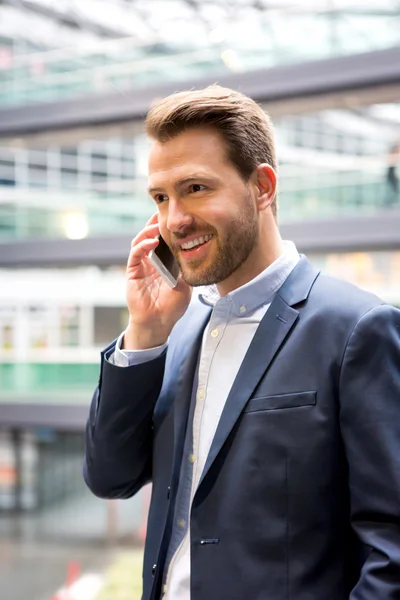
<point x="341" y="298"/>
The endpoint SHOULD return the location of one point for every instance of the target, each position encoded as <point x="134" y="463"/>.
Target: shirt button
<point x="214" y="333"/>
<point x="242" y="309"/>
<point x="153" y="569"/>
<point x="200" y="394"/>
<point x="181" y="523"/>
<point x="192" y="458"/>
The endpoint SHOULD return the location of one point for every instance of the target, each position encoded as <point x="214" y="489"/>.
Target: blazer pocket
<point x="294" y="400"/>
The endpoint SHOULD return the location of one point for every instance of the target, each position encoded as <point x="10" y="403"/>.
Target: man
<point x="392" y="178"/>
<point x="265" y="411"/>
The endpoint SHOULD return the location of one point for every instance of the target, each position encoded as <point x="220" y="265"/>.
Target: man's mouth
<point x="200" y="241"/>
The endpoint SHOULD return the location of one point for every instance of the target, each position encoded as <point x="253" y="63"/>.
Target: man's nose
<point x="178" y="215"/>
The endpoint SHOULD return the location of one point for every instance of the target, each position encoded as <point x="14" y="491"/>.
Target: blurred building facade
<point x="75" y="86"/>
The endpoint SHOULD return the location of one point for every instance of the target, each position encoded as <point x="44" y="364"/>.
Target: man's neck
<point x="256" y="263"/>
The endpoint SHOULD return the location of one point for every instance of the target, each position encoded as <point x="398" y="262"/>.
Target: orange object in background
<point x="8" y="475"/>
<point x="73" y="573"/>
<point x="146" y="497"/>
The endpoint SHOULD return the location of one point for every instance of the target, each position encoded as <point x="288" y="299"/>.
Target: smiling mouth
<point x="193" y="244"/>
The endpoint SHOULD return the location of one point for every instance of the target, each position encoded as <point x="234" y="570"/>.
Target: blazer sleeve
<point x="119" y="432"/>
<point x="370" y="424"/>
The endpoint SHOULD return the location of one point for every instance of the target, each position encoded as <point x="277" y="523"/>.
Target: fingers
<point x="145" y="241"/>
<point x="140" y="250"/>
<point x="153" y="219"/>
<point x="150" y="231"/>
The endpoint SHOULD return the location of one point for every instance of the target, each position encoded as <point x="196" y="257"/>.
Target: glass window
<point x="38" y="332"/>
<point x="69" y="325"/>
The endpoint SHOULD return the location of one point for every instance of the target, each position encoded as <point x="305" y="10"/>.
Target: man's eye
<point x="197" y="187"/>
<point x="159" y="198"/>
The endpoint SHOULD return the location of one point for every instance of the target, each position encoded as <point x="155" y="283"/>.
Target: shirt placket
<point x="211" y="339"/>
<point x="213" y="336"/>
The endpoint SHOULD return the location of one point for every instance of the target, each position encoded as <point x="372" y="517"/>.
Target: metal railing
<point x="78" y="213"/>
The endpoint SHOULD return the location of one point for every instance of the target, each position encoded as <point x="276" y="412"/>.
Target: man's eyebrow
<point x="182" y="182"/>
<point x="151" y="190"/>
<point x="190" y="178"/>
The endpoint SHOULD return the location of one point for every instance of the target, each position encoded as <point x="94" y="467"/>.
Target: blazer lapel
<point x="184" y="358"/>
<point x="270" y="335"/>
<point x="272" y="332"/>
<point x="189" y="350"/>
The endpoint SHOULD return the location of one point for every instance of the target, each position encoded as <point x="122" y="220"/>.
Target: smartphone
<point x="163" y="260"/>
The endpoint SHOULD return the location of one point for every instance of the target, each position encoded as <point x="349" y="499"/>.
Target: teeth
<point x="196" y="242"/>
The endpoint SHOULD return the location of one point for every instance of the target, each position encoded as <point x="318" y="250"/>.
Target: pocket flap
<point x="293" y="400"/>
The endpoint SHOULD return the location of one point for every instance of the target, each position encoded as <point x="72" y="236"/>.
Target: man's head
<point x="246" y="130"/>
<point x="212" y="174"/>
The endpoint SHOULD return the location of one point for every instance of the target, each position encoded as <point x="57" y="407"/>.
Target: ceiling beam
<point x="380" y="231"/>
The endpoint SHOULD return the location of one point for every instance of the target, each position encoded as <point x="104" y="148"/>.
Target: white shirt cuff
<point x="129" y="358"/>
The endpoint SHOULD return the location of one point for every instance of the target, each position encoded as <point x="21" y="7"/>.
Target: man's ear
<point x="265" y="182"/>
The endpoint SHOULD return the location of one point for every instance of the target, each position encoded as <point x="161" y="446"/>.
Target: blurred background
<point x="76" y="81"/>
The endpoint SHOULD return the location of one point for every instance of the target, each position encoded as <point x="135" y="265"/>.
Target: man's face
<point x="207" y="214"/>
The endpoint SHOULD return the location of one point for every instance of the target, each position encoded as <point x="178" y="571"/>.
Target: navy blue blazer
<point x="302" y="484"/>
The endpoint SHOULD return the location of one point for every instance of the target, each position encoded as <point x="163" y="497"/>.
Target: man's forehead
<point x="193" y="142"/>
<point x="194" y="151"/>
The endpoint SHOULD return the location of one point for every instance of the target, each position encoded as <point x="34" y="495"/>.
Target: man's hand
<point x="154" y="307"/>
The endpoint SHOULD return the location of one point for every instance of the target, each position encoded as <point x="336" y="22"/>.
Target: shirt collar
<point x="259" y="290"/>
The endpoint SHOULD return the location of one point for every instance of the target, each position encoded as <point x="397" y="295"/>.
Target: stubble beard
<point x="232" y="250"/>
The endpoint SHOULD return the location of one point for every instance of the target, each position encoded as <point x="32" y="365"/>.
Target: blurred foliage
<point x="123" y="579"/>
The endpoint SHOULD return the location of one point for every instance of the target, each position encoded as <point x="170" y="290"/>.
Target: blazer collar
<point x="299" y="282"/>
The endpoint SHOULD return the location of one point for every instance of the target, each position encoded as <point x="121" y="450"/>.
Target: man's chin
<point x="193" y="280"/>
<point x="197" y="278"/>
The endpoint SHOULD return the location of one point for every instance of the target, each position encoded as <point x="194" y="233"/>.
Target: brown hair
<point x="245" y="128"/>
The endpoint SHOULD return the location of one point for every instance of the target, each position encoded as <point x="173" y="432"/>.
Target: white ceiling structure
<point x="275" y="31"/>
<point x="41" y="24"/>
